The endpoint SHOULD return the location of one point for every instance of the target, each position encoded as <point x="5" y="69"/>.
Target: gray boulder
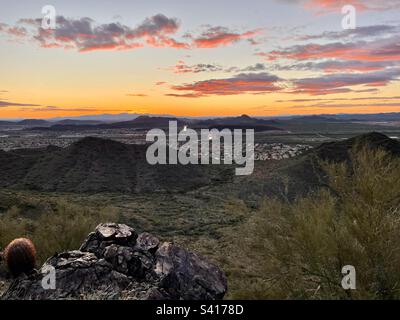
<point x="115" y="262"/>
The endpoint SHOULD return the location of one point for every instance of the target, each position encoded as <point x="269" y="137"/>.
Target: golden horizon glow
<point x="175" y="64"/>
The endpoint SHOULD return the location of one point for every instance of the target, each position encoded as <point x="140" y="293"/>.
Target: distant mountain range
<point x="126" y="120"/>
<point x="147" y="122"/>
<point x="90" y="119"/>
<point x="45" y="123"/>
<point x="26" y="122"/>
<point x="394" y="116"/>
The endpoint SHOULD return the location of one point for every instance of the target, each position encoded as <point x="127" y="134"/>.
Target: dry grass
<point x="63" y="226"/>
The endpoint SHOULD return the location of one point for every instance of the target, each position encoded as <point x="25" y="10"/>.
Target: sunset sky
<point x="198" y="58"/>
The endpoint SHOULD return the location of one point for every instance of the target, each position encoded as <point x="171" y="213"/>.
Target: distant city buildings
<point x="12" y="141"/>
<point x="278" y="151"/>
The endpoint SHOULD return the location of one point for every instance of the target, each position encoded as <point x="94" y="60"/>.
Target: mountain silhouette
<point x="148" y="122"/>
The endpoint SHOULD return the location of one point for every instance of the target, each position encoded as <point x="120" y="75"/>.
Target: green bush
<point x="297" y="250"/>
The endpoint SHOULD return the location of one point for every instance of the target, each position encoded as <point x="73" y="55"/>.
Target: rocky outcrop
<point x="115" y="262"/>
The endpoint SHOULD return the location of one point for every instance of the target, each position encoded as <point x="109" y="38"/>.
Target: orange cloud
<point x="334" y="66"/>
<point x="182" y="68"/>
<point x="158" y="31"/>
<point x="218" y="36"/>
<point x="328" y="6"/>
<point x="84" y="35"/>
<point x="140" y="95"/>
<point x="377" y="50"/>
<point x="4" y="104"/>
<point x="255" y="83"/>
<point x="341" y="83"/>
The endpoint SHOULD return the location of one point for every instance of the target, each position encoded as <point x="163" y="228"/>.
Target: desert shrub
<point x="12" y="225"/>
<point x="67" y="227"/>
<point x="62" y="227"/>
<point x="297" y="250"/>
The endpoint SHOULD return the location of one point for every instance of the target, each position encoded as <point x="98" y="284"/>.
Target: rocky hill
<point x="114" y="262"/>
<point x="305" y="173"/>
<point x="98" y="165"/>
<point x="297" y="176"/>
<point x="340" y="151"/>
